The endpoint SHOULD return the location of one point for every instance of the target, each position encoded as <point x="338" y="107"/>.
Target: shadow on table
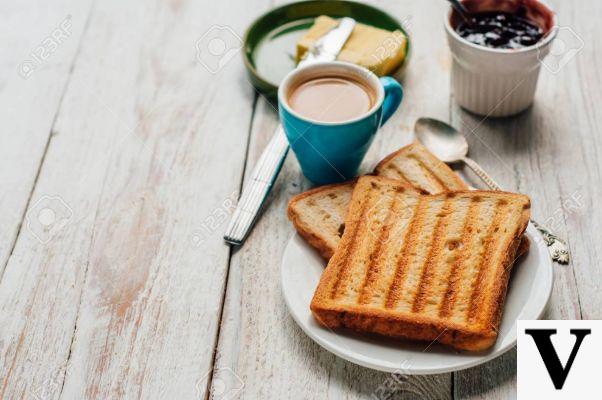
<point x="522" y="133"/>
<point x="359" y="382"/>
<point x="479" y="381"/>
<point x="352" y="381"/>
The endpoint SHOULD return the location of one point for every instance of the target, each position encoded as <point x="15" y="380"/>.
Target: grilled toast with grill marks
<point x="415" y="165"/>
<point x="319" y="214"/>
<point x="425" y="267"/>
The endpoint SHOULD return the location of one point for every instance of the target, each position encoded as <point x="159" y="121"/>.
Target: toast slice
<point x="319" y="214"/>
<point x="423" y="267"/>
<point x="415" y="165"/>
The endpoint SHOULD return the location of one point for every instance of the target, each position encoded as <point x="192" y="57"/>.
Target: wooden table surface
<point x="122" y="157"/>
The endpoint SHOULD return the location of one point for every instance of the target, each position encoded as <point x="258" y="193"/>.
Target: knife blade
<point x="270" y="162"/>
<point x="328" y="47"/>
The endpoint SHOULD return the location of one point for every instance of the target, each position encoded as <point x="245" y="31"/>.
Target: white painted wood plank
<point x="550" y="153"/>
<point x="151" y="293"/>
<point x="572" y="127"/>
<point x="426" y="81"/>
<point x="259" y="342"/>
<point x="40" y="41"/>
<point x="149" y="147"/>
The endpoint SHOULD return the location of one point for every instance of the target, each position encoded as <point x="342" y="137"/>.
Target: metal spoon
<point x="451" y="146"/>
<point x="461" y="10"/>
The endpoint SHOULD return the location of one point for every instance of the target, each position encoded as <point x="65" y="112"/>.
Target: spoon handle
<point x="461" y="10"/>
<point x="558" y="249"/>
<point x="476" y="168"/>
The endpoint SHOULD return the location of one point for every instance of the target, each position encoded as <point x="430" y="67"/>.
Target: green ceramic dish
<point x="270" y="42"/>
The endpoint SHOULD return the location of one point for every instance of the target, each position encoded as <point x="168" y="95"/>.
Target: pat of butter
<point x="378" y="50"/>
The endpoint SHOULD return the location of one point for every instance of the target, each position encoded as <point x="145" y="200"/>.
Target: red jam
<point x="500" y="30"/>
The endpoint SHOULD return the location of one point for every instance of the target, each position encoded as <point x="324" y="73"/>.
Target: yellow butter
<point x="378" y="50"/>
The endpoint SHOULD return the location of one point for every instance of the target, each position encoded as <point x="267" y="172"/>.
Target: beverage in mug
<point x="330" y="112"/>
<point x="332" y="98"/>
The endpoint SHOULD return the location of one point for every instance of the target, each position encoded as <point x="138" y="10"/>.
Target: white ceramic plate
<point x="528" y="293"/>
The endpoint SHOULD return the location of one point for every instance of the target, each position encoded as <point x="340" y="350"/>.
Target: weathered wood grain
<point x="124" y="134"/>
<point x="571" y="146"/>
<point x="425" y="82"/>
<point x="259" y="341"/>
<point x="40" y="42"/>
<point x="39" y="45"/>
<point x="149" y="146"/>
<point x="549" y="152"/>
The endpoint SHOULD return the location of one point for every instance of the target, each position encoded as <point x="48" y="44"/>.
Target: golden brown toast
<point x="319" y="214"/>
<point x="424" y="267"/>
<point x="416" y="165"/>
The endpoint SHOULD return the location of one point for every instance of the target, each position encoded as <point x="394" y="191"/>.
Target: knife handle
<point x="255" y="192"/>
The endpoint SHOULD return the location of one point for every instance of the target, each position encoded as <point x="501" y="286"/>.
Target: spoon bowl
<point x="449" y="145"/>
<point x="443" y="140"/>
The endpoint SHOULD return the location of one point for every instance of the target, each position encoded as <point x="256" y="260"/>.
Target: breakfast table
<point x="123" y="155"/>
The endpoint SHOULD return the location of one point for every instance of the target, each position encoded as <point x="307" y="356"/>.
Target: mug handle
<point x="393" y="96"/>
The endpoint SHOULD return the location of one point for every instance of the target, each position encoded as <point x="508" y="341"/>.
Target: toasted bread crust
<point x="325" y="245"/>
<point x="475" y="333"/>
<point x="523" y="247"/>
<point x="402" y="327"/>
<point x="454" y="181"/>
<point x="314" y="237"/>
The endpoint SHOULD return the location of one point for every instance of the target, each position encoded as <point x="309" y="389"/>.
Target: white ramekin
<point x="496" y="82"/>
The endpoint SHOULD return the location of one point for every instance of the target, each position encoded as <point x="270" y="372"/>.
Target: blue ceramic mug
<point x="333" y="151"/>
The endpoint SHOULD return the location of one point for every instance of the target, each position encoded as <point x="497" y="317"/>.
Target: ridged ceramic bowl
<point x="498" y="82"/>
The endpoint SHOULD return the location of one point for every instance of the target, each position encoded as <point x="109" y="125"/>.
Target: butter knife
<point x="270" y="162"/>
